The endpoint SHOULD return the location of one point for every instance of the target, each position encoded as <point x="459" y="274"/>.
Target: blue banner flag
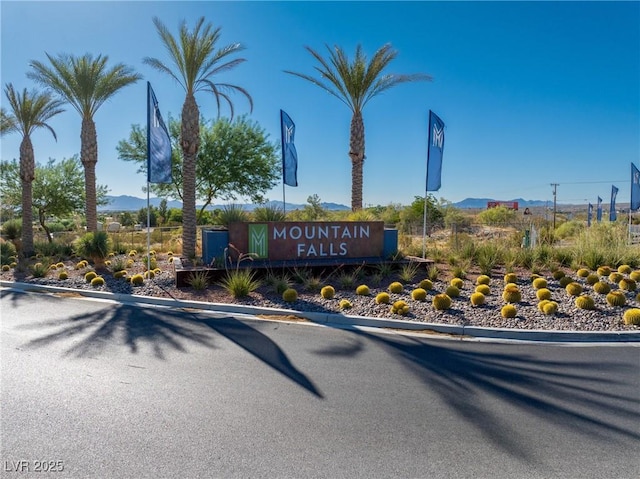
<point x="289" y="153"/>
<point x="612" y="207"/>
<point x="158" y="143"/>
<point x="599" y="210"/>
<point x="635" y="188"/>
<point x="434" y="152"/>
<point x="589" y="214"/>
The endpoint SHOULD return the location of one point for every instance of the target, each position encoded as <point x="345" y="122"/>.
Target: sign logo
<point x="258" y="241"/>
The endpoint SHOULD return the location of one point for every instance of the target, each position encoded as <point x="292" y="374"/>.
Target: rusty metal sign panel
<point x="313" y="240"/>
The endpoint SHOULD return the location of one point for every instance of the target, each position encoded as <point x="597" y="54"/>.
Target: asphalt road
<point x="119" y="391"/>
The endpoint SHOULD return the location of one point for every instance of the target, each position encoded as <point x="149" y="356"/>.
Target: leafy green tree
<point x="85" y="83"/>
<point x="126" y="218"/>
<point x="412" y="216"/>
<point x="499" y="215"/>
<point x="153" y="216"/>
<point x="194" y="61"/>
<point x="354" y="83"/>
<point x="235" y="158"/>
<point x="29" y="110"/>
<point x="58" y="189"/>
<point x="162" y="211"/>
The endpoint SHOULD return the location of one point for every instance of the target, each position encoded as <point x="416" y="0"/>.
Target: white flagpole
<point x="284" y="203"/>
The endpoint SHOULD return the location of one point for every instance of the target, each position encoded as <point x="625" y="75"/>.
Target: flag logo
<point x="158" y="142"/>
<point x="612" y="208"/>
<point x="289" y="153"/>
<point x="434" y="152"/>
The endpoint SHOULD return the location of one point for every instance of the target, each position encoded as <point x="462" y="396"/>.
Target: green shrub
<point x="624" y="269"/>
<point x="269" y="213"/>
<point x="483" y="279"/>
<point x="363" y="290"/>
<point x="408" y="271"/>
<point x="396" y="287"/>
<point x="278" y="282"/>
<point x="508" y="311"/>
<point x="616" y="298"/>
<point x="627" y="284"/>
<point x="383" y="298"/>
<point x="615" y="277"/>
<point x="452" y="292"/>
<point x="511" y="294"/>
<point x="89" y="276"/>
<point x="585" y="302"/>
<point x="543" y="293"/>
<point x="477" y="298"/>
<point x="574" y="289"/>
<point x="240" y="282"/>
<point x="419" y="294"/>
<point x="8" y="251"/>
<point x="97" y="281"/>
<point x="400" y="307"/>
<point x="347" y="280"/>
<point x="433" y="272"/>
<point x="345" y="304"/>
<point x="582" y="273"/>
<point x="457" y="282"/>
<point x="601" y="287"/>
<point x="94" y="246"/>
<point x="232" y="213"/>
<point x="632" y="316"/>
<point x="198" y="280"/>
<point x="441" y="302"/>
<point x="510" y="278"/>
<point x="137" y="280"/>
<point x="558" y="274"/>
<point x="540" y="283"/>
<point x="551" y="307"/>
<point x="327" y="292"/>
<point x="426" y="284"/>
<point x="603" y="271"/>
<point x="290" y="295"/>
<point x="484" y="289"/>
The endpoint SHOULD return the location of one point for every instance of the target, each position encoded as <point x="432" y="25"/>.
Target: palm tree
<point x="85" y="83"/>
<point x="195" y="61"/>
<point x="354" y="83"/>
<point x="29" y="110"/>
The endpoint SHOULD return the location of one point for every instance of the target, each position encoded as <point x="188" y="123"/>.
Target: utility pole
<point x="555" y="188"/>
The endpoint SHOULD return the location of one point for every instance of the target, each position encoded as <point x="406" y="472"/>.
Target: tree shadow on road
<point x="560" y="393"/>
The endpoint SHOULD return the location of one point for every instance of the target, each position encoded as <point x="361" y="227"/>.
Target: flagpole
<point x="148" y="176"/>
<point x="284" y="203"/>
<point x="148" y="233"/>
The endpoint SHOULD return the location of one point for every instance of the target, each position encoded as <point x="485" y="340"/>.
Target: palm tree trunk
<point x="190" y="142"/>
<point x="27" y="175"/>
<point x="356" y="153"/>
<point x="89" y="158"/>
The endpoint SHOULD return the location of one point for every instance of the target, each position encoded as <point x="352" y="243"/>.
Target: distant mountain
<point x="482" y="203"/>
<point x="133" y="203"/>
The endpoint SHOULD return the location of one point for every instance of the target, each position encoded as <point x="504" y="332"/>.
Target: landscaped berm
<point x="479" y="278"/>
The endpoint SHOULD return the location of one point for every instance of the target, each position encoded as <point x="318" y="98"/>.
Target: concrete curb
<point x="347" y="320"/>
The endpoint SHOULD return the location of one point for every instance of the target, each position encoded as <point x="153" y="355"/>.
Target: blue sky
<point x="532" y="93"/>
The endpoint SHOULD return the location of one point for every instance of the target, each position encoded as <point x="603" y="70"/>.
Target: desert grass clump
<point x="582" y="273"/>
<point x="396" y="287"/>
<point x="94" y="245"/>
<point x="457" y="282"/>
<point x="433" y="272"/>
<point x="419" y="294"/>
<point x="441" y="302"/>
<point x="510" y="278"/>
<point x="627" y="284"/>
<point x="483" y="279"/>
<point x="459" y="271"/>
<point x="511" y="293"/>
<point x="540" y="283"/>
<point x="632" y="316"/>
<point x="400" y="307"/>
<point x="477" y="299"/>
<point x="63" y="275"/>
<point x="624" y="269"/>
<point x="603" y="271"/>
<point x="550" y="308"/>
<point x="408" y="272"/>
<point x="508" y="311"/>
<point x="240" y="282"/>
<point x="426" y="284"/>
<point x="558" y="274"/>
<point x="363" y="290"/>
<point x="615" y="277"/>
<point x="277" y="282"/>
<point x="90" y="276"/>
<point x="602" y="287"/>
<point x="137" y="280"/>
<point x="484" y="289"/>
<point x="616" y="298"/>
<point x="345" y="304"/>
<point x="585" y="302"/>
<point x="97" y="281"/>
<point x="327" y="292"/>
<point x="574" y="289"/>
<point x="290" y="295"/>
<point x="383" y="298"/>
<point x="592" y="279"/>
<point x="543" y="293"/>
<point x="452" y="292"/>
<point x="347" y="280"/>
<point x="313" y="284"/>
